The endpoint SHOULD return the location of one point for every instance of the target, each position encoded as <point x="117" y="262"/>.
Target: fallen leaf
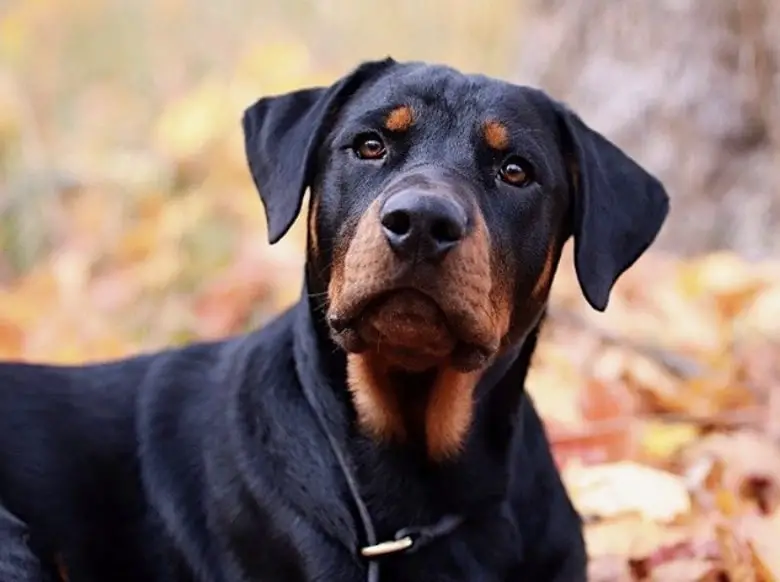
<point x="611" y="490"/>
<point x="735" y="554"/>
<point x="749" y="461"/>
<point x="687" y="570"/>
<point x="662" y="440"/>
<point x="632" y="536"/>
<point x="763" y="539"/>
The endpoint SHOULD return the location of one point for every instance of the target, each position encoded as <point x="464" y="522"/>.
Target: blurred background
<point x="128" y="222"/>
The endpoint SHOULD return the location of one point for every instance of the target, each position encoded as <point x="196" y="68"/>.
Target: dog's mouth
<point x="412" y="331"/>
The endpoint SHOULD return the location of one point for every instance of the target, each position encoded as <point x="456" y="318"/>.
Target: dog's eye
<point x="517" y="172"/>
<point x="369" y="146"/>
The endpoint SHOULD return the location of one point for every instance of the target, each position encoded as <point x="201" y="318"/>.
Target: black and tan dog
<point x="380" y="426"/>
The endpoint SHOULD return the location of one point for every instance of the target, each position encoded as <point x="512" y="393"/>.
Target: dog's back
<point x="68" y="464"/>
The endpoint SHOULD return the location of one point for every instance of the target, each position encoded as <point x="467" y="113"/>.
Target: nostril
<point x="446" y="231"/>
<point x="398" y="222"/>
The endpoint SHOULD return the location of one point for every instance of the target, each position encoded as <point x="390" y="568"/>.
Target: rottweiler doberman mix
<point x="379" y="428"/>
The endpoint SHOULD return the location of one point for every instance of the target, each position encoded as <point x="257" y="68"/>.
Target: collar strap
<point x="410" y="539"/>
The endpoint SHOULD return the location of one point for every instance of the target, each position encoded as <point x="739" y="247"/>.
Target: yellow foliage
<point x="192" y="123"/>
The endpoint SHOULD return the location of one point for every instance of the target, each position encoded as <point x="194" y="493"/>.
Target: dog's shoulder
<point x="193" y="393"/>
<point x="226" y="427"/>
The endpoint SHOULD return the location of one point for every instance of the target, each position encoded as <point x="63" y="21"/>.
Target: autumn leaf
<point x="761" y="535"/>
<point x="749" y="464"/>
<point x="624" y="487"/>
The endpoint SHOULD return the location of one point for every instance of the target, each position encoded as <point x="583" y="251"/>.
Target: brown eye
<point x="517" y="172"/>
<point x="369" y="146"/>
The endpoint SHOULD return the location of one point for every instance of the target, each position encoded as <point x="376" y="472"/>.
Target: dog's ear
<point x="618" y="207"/>
<point x="281" y="137"/>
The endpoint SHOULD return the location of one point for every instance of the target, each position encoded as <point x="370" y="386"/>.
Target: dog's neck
<point x="399" y="484"/>
<point x="497" y="396"/>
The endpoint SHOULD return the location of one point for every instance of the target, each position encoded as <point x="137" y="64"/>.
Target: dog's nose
<point x="423" y="226"/>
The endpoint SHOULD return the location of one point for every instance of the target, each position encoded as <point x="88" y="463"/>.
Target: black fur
<point x="206" y="463"/>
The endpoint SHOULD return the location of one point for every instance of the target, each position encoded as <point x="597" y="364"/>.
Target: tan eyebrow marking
<point x="400" y="119"/>
<point x="496" y="134"/>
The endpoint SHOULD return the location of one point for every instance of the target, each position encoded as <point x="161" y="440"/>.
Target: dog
<point x="378" y="429"/>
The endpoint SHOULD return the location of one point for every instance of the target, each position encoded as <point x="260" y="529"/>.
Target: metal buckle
<point x="389" y="547"/>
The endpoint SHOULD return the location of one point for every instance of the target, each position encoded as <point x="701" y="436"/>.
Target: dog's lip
<point x="342" y="321"/>
<point x="468" y="354"/>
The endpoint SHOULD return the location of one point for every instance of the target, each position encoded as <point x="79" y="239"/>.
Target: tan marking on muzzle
<point x="362" y="262"/>
<point x="400" y="119"/>
<point x="496" y="135"/>
<point x="501" y="282"/>
<point x="463" y="287"/>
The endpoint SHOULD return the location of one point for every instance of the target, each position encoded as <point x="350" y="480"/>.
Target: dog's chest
<point x="484" y="548"/>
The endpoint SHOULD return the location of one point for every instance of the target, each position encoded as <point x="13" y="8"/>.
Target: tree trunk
<point x="689" y="88"/>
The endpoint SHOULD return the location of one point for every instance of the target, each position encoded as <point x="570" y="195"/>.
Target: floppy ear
<point x="281" y="137"/>
<point x="618" y="208"/>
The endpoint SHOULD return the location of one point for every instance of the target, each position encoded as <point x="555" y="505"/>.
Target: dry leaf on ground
<point x="624" y="488"/>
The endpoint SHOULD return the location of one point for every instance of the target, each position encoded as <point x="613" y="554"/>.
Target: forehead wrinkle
<point x="425" y="86"/>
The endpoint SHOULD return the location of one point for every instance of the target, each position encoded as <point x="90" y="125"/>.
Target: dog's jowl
<point x="378" y="429"/>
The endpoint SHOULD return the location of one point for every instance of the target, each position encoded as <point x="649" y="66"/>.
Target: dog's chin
<point x="409" y="331"/>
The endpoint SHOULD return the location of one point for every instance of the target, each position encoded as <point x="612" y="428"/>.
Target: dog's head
<point x="439" y="206"/>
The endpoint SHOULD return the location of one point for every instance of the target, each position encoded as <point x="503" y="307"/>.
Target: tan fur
<point x="400" y="119"/>
<point x="501" y="282"/>
<point x="496" y="135"/>
<point x="414" y="323"/>
<point x="314" y="243"/>
<point x="543" y="283"/>
<point x="449" y="412"/>
<point x="363" y="263"/>
<point x="374" y="400"/>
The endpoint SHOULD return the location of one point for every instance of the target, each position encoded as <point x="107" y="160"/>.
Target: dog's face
<point x="442" y="192"/>
<point x="440" y="204"/>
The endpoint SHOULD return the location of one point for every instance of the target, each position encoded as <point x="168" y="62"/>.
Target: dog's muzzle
<point x="415" y="280"/>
